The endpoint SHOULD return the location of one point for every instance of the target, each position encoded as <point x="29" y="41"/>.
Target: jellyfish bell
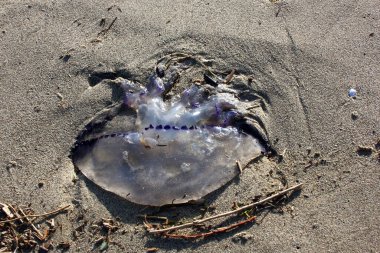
<point x="177" y="152"/>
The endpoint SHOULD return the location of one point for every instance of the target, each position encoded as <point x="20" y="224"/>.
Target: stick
<point x="146" y="217"/>
<point x="103" y="32"/>
<point x="39" y="234"/>
<point x="230" y="76"/>
<point x="196" y="222"/>
<point x="37" y="215"/>
<point x="212" y="232"/>
<point x="256" y="158"/>
<point x="238" y="164"/>
<point x="113" y="21"/>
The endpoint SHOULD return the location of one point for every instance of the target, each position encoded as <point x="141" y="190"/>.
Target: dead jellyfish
<point x="179" y="149"/>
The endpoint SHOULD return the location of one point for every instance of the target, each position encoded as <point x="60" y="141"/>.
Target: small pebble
<point x="37" y="109"/>
<point x="59" y="95"/>
<point x="352" y="93"/>
<point x="354" y="115"/>
<point x="103" y="246"/>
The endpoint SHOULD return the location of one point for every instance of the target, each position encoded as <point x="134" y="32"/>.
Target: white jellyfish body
<point x="181" y="149"/>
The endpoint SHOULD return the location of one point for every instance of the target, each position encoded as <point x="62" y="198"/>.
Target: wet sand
<point x="303" y="57"/>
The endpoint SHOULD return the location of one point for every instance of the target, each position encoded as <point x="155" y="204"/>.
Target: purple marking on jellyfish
<point x="195" y="105"/>
<point x="156" y="86"/>
<point x="229" y="117"/>
<point x="217" y="110"/>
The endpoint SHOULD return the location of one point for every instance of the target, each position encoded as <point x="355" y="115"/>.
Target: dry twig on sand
<point x="18" y="232"/>
<point x="104" y="31"/>
<point x="37" y="215"/>
<point x="230" y="76"/>
<point x="243" y="208"/>
<point x="254" y="159"/>
<point x="238" y="164"/>
<point x="212" y="232"/>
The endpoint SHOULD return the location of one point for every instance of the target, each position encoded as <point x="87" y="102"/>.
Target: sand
<point x="304" y="56"/>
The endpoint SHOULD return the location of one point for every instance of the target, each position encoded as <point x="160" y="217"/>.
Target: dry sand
<point x="303" y="55"/>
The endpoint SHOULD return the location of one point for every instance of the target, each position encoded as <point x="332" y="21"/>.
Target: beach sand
<point x="303" y="56"/>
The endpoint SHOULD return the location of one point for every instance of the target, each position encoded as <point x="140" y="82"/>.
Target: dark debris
<point x="18" y="232"/>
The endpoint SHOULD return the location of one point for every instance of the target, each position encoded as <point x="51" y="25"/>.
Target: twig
<point x="212" y="232"/>
<point x="104" y="31"/>
<point x="252" y="160"/>
<point x="7" y="210"/>
<point x="253" y="107"/>
<point x="197" y="222"/>
<point x="37" y="215"/>
<point x="230" y="76"/>
<point x="39" y="235"/>
<point x="146" y="217"/>
<point x="308" y="165"/>
<point x="283" y="153"/>
<point x="238" y="164"/>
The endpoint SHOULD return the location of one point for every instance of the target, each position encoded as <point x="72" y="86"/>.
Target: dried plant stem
<point x="38" y="232"/>
<point x="197" y="222"/>
<point x="256" y="158"/>
<point x="238" y="164"/>
<point x="230" y="76"/>
<point x="212" y="232"/>
<point x="37" y="215"/>
<point x="103" y="32"/>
